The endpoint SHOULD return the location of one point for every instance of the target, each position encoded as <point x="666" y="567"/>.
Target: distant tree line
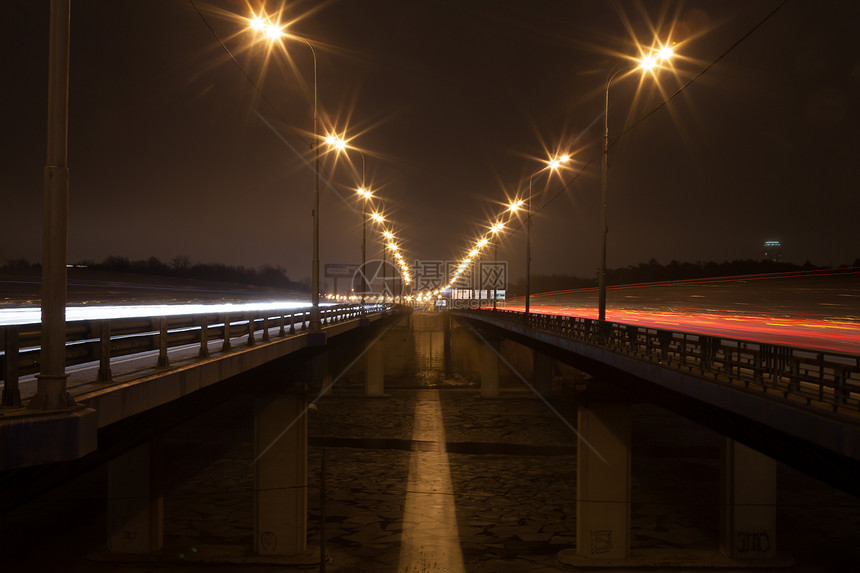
<point x="653" y="271"/>
<point x="181" y="267"/>
<point x="267" y="275"/>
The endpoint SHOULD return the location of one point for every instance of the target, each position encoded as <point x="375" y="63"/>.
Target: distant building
<point x="773" y="251"/>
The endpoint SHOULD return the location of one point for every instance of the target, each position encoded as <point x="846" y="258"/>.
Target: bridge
<point x="131" y="380"/>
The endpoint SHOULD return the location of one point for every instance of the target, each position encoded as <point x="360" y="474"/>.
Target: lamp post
<point x="275" y="32"/>
<point x="552" y="165"/>
<point x="51" y="393"/>
<point x="495" y="229"/>
<point x="479" y="248"/>
<point x="389" y="236"/>
<point x="340" y="144"/>
<point x="366" y="196"/>
<point x="376" y="217"/>
<point x="647" y="63"/>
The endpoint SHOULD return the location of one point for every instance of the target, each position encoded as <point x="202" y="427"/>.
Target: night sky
<point x="174" y="151"/>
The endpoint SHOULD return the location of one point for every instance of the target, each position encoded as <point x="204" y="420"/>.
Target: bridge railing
<point x="103" y="340"/>
<point x="822" y="379"/>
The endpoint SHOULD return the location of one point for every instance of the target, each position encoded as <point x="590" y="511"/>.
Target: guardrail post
<point x="204" y="338"/>
<point x="11" y="392"/>
<point x="266" y="328"/>
<point x="684" y="349"/>
<point x="163" y="360"/>
<point x="226" y="346"/>
<point x="840" y="388"/>
<point x="758" y="375"/>
<point x="708" y="346"/>
<point x="104" y="374"/>
<point x="665" y="338"/>
<point x="251" y="325"/>
<point x="633" y="337"/>
<point x="293" y="323"/>
<point x="282" y="325"/>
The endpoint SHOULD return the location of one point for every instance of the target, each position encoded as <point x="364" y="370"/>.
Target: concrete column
<point x="374" y="383"/>
<point x="135" y="503"/>
<point x="320" y="373"/>
<point x="747" y="503"/>
<point x="489" y="369"/>
<point x="280" y="493"/>
<point x="542" y="374"/>
<point x="603" y="487"/>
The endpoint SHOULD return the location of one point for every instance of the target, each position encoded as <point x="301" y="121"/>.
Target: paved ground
<point x="503" y="487"/>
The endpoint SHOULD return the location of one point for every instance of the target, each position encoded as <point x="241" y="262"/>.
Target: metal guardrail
<point x="102" y="340"/>
<point x="825" y="380"/>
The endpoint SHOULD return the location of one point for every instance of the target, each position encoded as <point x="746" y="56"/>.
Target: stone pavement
<point x="429" y="479"/>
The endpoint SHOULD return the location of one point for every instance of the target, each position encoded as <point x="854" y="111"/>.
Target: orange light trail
<point x="842" y="336"/>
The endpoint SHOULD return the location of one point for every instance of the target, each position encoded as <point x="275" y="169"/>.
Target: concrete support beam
<point x="603" y="485"/>
<point x="135" y="503"/>
<point x="542" y="374"/>
<point x="747" y="503"/>
<point x="281" y="467"/>
<point x="489" y="369"/>
<point x="374" y="383"/>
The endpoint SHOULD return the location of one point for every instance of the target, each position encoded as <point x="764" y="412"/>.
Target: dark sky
<point x="173" y="151"/>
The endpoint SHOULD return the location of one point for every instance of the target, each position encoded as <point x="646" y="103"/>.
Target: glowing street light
<point x="390" y="237"/>
<point x="366" y="196"/>
<point x="275" y="33"/>
<point x="495" y="230"/>
<point x="552" y="165"/>
<point x="339" y="143"/>
<point x="648" y="63"/>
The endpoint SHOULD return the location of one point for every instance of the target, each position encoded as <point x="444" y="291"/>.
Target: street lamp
<point x="377" y="217"/>
<point x="552" y="165"/>
<point x="340" y="144"/>
<point x="274" y="32"/>
<point x="366" y="196"/>
<point x="495" y="230"/>
<point x="478" y="250"/>
<point x="389" y="236"/>
<point x="51" y="387"/>
<point x="646" y="63"/>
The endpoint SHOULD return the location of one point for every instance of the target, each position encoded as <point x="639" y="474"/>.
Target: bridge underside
<point x="774" y="427"/>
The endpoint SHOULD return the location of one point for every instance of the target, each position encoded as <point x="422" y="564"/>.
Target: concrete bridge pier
<point x="542" y="374"/>
<point x="374" y="381"/>
<point x="489" y="364"/>
<point x="603" y="480"/>
<point x="319" y="372"/>
<point x="748" y="503"/>
<point x="280" y="468"/>
<point x="135" y="508"/>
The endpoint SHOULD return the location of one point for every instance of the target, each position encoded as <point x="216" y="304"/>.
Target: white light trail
<point x="33" y="315"/>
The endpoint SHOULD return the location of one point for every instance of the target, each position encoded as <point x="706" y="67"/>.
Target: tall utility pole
<point x="51" y="391"/>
